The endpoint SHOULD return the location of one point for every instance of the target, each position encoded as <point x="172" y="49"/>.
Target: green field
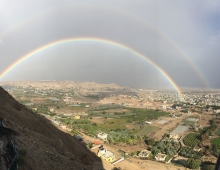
<point x="114" y="122"/>
<point x="187" y="122"/>
<point x="146" y="130"/>
<point x="216" y="141"/>
<point x="218" y="132"/>
<point x="192" y="139"/>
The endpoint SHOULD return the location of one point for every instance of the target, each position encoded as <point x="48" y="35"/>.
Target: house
<point x="105" y="154"/>
<point x="163" y="106"/>
<point x="174" y="136"/>
<point x="197" y="149"/>
<point x="77" y="117"/>
<point x="63" y="126"/>
<point x="52" y="110"/>
<point x="144" y="154"/>
<point x="148" y="122"/>
<point x="87" y="106"/>
<point x="103" y="136"/>
<point x="160" y="157"/>
<point x="79" y="138"/>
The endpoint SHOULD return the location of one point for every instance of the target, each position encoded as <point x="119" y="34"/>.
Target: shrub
<point x="192" y="163"/>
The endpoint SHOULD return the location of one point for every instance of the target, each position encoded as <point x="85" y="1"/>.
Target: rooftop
<point x="106" y="153"/>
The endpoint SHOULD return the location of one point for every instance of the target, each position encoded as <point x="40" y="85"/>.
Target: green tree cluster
<point x="192" y="163"/>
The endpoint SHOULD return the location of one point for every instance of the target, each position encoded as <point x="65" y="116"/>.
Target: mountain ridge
<point x="46" y="146"/>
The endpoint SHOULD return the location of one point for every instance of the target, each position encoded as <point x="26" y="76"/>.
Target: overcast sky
<point x="181" y="37"/>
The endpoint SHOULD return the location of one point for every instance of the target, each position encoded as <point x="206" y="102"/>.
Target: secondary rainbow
<point x="91" y="39"/>
<point x="121" y="11"/>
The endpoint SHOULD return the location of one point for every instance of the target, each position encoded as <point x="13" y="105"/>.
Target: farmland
<point x="192" y="139"/>
<point x="216" y="141"/>
<point x="116" y="124"/>
<point x="146" y="130"/>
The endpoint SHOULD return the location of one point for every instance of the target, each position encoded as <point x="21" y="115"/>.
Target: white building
<point x="103" y="136"/>
<point x="144" y="153"/>
<point x="148" y="122"/>
<point x="160" y="157"/>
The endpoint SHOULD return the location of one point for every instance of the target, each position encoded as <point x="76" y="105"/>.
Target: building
<point x="103" y="136"/>
<point x="77" y="117"/>
<point x="79" y="138"/>
<point x="63" y="127"/>
<point x="197" y="149"/>
<point x="163" y="106"/>
<point x="144" y="154"/>
<point x="105" y="154"/>
<point x="52" y="110"/>
<point x="160" y="157"/>
<point x="35" y="109"/>
<point x="87" y="106"/>
<point x="175" y="136"/>
<point x="148" y="122"/>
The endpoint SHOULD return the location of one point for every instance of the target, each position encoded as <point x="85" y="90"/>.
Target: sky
<point x="181" y="38"/>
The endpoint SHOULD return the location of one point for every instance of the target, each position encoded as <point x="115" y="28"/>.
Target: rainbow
<point x="91" y="39"/>
<point x="121" y="11"/>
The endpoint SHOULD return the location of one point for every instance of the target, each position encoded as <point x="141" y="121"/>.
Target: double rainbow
<point x="91" y="39"/>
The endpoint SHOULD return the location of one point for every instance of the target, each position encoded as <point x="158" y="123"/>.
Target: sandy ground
<point x="99" y="120"/>
<point x="205" y="118"/>
<point x="146" y="165"/>
<point x="165" y="128"/>
<point x="133" y="163"/>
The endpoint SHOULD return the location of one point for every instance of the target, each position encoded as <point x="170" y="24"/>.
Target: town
<point x="130" y="128"/>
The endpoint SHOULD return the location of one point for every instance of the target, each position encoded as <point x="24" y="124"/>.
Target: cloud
<point x="1" y="41"/>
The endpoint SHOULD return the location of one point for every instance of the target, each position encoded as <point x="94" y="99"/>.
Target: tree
<point x="192" y="163"/>
<point x="150" y="142"/>
<point x="210" y="167"/>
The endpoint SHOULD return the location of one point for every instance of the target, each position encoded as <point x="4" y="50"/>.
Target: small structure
<point x="97" y="142"/>
<point x="52" y="110"/>
<point x="160" y="157"/>
<point x="163" y="106"/>
<point x="197" y="149"/>
<point x="144" y="154"/>
<point x="79" y="138"/>
<point x="77" y="117"/>
<point x="103" y="136"/>
<point x="105" y="154"/>
<point x="87" y="106"/>
<point x="148" y="122"/>
<point x="63" y="127"/>
<point x="175" y="136"/>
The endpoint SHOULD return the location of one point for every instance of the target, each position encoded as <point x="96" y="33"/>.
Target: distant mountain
<point x="46" y="146"/>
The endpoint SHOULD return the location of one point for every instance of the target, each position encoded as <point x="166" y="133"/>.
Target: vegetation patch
<point x="190" y="123"/>
<point x="169" y="148"/>
<point x="106" y="107"/>
<point x="146" y="130"/>
<point x="124" y="136"/>
<point x="189" y="153"/>
<point x="192" y="163"/>
<point x="192" y="139"/>
<point x="216" y="141"/>
<point x="218" y="132"/>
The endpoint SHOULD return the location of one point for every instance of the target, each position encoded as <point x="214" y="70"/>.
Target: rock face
<point x="41" y="144"/>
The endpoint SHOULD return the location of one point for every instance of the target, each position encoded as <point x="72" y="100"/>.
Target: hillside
<point x="46" y="146"/>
